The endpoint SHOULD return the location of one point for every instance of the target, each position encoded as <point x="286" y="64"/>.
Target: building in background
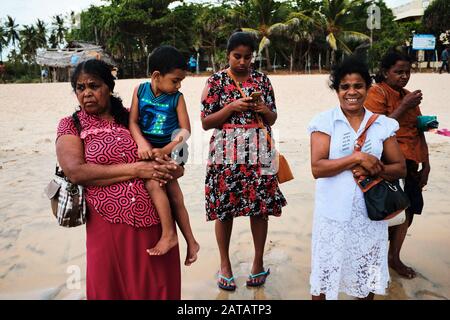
<point x="411" y="11"/>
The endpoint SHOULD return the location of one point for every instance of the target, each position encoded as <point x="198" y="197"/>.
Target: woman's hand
<point x="160" y="170"/>
<point x="370" y="163"/>
<point x="242" y="104"/>
<point x="359" y="171"/>
<point x="262" y="108"/>
<point x="144" y="151"/>
<point x="412" y="99"/>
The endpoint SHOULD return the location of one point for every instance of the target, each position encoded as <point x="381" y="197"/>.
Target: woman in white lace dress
<point x="349" y="251"/>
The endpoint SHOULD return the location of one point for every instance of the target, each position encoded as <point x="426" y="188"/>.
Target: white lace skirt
<point x="349" y="256"/>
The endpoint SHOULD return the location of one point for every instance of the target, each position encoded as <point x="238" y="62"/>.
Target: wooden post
<point x="291" y="64"/>
<point x="320" y="62"/>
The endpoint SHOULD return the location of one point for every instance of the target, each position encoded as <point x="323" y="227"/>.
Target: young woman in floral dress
<point x="240" y="180"/>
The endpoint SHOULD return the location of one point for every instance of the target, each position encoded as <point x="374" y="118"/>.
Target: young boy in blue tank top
<point x="159" y="123"/>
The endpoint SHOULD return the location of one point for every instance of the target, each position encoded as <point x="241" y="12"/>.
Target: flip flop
<point x="228" y="286"/>
<point x="251" y="283"/>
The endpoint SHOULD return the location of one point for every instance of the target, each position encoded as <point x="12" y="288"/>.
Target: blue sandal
<point x="228" y="285"/>
<point x="264" y="274"/>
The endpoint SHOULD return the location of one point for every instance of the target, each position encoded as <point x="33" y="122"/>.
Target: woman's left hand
<point x="359" y="171"/>
<point x="261" y="107"/>
<point x="424" y="173"/>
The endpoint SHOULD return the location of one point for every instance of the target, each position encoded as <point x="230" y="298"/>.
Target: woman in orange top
<point x="389" y="97"/>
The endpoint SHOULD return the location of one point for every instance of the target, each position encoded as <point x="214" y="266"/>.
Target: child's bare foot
<point x="191" y="255"/>
<point x="164" y="245"/>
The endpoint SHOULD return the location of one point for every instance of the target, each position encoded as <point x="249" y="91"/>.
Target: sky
<point x="27" y="11"/>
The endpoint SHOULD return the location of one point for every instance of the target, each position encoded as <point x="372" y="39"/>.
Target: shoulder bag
<point x="284" y="172"/>
<point x="384" y="199"/>
<point x="67" y="199"/>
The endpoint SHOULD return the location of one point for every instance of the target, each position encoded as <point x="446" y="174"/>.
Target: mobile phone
<point x="255" y="96"/>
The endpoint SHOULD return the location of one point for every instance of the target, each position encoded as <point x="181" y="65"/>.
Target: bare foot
<point x="191" y="255"/>
<point x="402" y="269"/>
<point x="164" y="245"/>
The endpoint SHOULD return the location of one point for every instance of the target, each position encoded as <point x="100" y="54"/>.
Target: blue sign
<point x="424" y="42"/>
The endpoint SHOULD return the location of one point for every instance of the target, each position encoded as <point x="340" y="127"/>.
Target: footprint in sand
<point x="427" y="294"/>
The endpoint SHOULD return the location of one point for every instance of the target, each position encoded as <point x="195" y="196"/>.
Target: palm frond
<point x="331" y="41"/>
<point x="262" y="44"/>
<point x="355" y="36"/>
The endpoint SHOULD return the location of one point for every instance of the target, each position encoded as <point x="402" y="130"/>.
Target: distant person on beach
<point x="44" y="75"/>
<point x="349" y="251"/>
<point x="192" y="64"/>
<point x="122" y="222"/>
<point x="444" y="58"/>
<point x="238" y="186"/>
<point x="159" y="123"/>
<point x="389" y="97"/>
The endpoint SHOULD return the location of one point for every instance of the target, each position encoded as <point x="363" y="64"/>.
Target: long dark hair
<point x="387" y="61"/>
<point x="102" y="70"/>
<point x="241" y="38"/>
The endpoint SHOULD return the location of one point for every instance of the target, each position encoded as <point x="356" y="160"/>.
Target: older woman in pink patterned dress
<point x="122" y="223"/>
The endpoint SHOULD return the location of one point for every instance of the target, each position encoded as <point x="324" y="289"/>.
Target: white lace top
<point x="337" y="192"/>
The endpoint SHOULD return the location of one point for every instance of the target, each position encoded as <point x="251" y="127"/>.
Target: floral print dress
<point x="239" y="179"/>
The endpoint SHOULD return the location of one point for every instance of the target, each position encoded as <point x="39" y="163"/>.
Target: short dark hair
<point x="351" y="64"/>
<point x="166" y="59"/>
<point x="102" y="70"/>
<point x="241" y="39"/>
<point x="387" y="61"/>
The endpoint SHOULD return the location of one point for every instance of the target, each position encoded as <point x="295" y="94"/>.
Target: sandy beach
<point x="40" y="260"/>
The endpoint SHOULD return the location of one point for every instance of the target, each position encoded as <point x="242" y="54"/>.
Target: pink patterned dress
<point x="122" y="223"/>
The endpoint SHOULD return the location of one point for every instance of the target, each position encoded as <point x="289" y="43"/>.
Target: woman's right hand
<point x="242" y="104"/>
<point x="160" y="170"/>
<point x="370" y="163"/>
<point x="412" y="99"/>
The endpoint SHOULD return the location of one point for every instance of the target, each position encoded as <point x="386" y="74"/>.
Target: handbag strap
<point x="358" y="146"/>
<point x="258" y="117"/>
<point x="362" y="137"/>
<point x="77" y="124"/>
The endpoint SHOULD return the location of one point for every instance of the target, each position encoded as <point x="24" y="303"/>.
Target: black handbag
<point x="384" y="199"/>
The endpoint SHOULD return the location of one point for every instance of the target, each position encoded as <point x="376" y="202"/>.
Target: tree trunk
<point x="269" y="64"/>
<point x="327" y="59"/>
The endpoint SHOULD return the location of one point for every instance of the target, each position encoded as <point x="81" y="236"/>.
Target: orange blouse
<point x="382" y="99"/>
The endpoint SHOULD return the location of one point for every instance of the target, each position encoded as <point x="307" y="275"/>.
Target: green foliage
<point x="293" y="30"/>
<point x="19" y="71"/>
<point x="436" y="17"/>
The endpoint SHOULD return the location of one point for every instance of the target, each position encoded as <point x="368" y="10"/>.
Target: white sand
<point x="37" y="257"/>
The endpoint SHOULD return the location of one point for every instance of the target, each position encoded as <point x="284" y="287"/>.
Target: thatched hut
<point x="61" y="62"/>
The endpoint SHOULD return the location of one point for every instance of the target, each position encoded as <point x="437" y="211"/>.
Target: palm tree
<point x="271" y="18"/>
<point x="59" y="28"/>
<point x="3" y="41"/>
<point x="11" y="31"/>
<point x="332" y="20"/>
<point x="41" y="34"/>
<point x="212" y="28"/>
<point x="28" y="42"/>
